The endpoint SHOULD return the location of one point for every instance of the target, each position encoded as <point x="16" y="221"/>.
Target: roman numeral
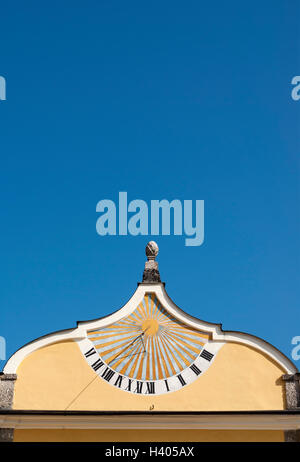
<point x="150" y="387"/>
<point x="118" y="382"/>
<point x="129" y="385"/>
<point x="89" y="353"/>
<point x="167" y="385"/>
<point x="195" y="369"/>
<point x="97" y="364"/>
<point x="139" y="386"/>
<point x="206" y="355"/>
<point x="107" y="374"/>
<point x="181" y="379"/>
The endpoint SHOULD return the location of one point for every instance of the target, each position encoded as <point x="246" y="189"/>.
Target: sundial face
<point x="149" y="351"/>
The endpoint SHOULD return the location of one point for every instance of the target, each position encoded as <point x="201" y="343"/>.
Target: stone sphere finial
<point x="151" y="273"/>
<point x="151" y="250"/>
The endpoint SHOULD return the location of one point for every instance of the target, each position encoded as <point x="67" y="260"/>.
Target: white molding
<point x="217" y="334"/>
<point x="269" y="421"/>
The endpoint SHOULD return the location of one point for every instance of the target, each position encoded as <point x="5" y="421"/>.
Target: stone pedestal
<point x="151" y="273"/>
<point x="7" y="383"/>
<point x="292" y="396"/>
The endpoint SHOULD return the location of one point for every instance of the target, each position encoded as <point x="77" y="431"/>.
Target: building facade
<point x="149" y="372"/>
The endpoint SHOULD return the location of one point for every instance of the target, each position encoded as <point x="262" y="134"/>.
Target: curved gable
<point x="237" y="371"/>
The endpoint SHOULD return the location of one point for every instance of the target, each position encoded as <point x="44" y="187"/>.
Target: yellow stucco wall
<point x="147" y="435"/>
<point x="57" y="377"/>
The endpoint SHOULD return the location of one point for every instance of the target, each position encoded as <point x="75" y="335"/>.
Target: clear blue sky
<point x="164" y="100"/>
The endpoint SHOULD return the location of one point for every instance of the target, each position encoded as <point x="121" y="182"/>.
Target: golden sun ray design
<point x="149" y="344"/>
